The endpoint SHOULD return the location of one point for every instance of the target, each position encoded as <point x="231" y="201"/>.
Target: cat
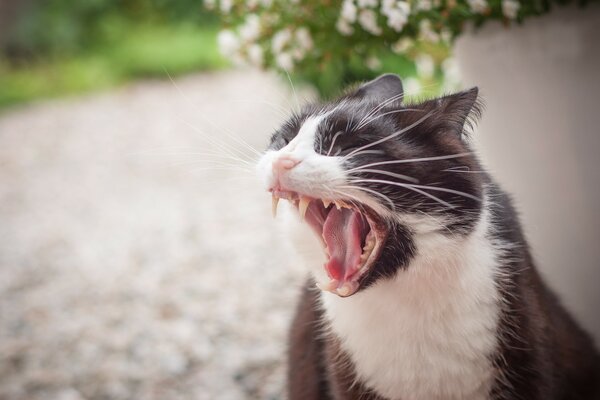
<point x="425" y="288"/>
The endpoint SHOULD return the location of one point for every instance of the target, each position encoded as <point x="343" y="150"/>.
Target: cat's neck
<point x="429" y="332"/>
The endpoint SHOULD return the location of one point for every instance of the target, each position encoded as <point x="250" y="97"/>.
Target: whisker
<point x="293" y="90"/>
<point x="399" y="176"/>
<point x="229" y="134"/>
<point x="393" y="135"/>
<point x="410" y="160"/>
<point x="360" y="153"/>
<point x="463" y="171"/>
<point x="393" y="206"/>
<point x="223" y="146"/>
<point x="376" y="117"/>
<point x="380" y="106"/>
<point x="406" y="186"/>
<point x="333" y="141"/>
<point x="457" y="192"/>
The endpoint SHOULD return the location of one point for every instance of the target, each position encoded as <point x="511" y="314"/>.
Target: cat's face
<point x="368" y="173"/>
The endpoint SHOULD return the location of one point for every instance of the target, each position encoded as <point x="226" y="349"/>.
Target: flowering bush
<point x="333" y="42"/>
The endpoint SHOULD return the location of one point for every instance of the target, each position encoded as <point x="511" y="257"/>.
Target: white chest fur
<point x="428" y="333"/>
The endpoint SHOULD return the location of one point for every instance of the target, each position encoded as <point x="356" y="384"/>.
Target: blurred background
<point x="138" y="257"/>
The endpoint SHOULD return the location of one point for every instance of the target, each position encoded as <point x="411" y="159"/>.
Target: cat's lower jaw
<point x="430" y="332"/>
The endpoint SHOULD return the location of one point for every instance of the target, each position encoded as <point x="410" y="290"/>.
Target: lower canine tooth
<point x="328" y="287"/>
<point x="303" y="205"/>
<point x="347" y="289"/>
<point x="274" y="202"/>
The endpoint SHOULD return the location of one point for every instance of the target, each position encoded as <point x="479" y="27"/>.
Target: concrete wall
<point x="540" y="136"/>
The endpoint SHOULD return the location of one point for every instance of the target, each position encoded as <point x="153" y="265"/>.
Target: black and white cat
<point x="426" y="287"/>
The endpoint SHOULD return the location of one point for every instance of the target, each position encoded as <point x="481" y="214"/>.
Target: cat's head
<point x="367" y="173"/>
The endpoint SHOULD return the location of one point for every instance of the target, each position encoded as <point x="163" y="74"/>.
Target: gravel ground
<point x="134" y="263"/>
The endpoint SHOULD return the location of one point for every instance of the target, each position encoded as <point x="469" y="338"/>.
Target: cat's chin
<point x="351" y="233"/>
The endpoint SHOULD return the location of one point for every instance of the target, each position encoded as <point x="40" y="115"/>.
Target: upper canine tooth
<point x="338" y="205"/>
<point x="326" y="203"/>
<point x="274" y="202"/>
<point x="303" y="205"/>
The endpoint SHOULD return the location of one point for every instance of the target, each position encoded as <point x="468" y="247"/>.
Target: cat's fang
<point x="303" y="205"/>
<point x="329" y="286"/>
<point x="326" y="203"/>
<point x="348" y="289"/>
<point x="274" y="203"/>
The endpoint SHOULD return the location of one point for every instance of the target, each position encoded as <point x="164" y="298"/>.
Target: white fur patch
<point x="315" y="175"/>
<point x="428" y="333"/>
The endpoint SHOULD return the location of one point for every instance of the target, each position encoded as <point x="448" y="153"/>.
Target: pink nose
<point x="283" y="163"/>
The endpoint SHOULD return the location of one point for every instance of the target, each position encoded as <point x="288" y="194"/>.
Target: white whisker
<point x="226" y="132"/>
<point x="333" y="141"/>
<point x="393" y="206"/>
<point x="410" y="160"/>
<point x="406" y="186"/>
<point x="393" y="135"/>
<point x="376" y="117"/>
<point x="399" y="176"/>
<point x="380" y="106"/>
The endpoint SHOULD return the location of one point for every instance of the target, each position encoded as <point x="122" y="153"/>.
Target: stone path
<point x="133" y="264"/>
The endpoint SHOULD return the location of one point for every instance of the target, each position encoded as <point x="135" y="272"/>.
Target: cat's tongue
<point x="344" y="231"/>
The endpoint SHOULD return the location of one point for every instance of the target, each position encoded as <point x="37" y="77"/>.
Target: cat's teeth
<point x="303" y="205"/>
<point x="347" y="289"/>
<point x="338" y="205"/>
<point x="274" y="202"/>
<point x="329" y="286"/>
<point x="326" y="203"/>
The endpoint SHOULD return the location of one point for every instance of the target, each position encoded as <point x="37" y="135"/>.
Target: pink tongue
<point x="342" y="232"/>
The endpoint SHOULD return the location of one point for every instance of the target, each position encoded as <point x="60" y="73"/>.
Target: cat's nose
<point x="283" y="163"/>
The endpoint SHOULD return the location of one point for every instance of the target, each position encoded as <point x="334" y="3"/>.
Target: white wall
<point x="540" y="136"/>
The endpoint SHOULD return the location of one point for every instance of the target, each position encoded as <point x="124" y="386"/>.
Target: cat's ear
<point x="387" y="87"/>
<point x="454" y="111"/>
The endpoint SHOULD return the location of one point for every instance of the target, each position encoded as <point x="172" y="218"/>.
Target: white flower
<point x="304" y="39"/>
<point x="255" y="54"/>
<point x="373" y="63"/>
<point x="225" y="6"/>
<point x="402" y="45"/>
<point x="510" y="8"/>
<point x="397" y="19"/>
<point x="280" y="40"/>
<point x="388" y="5"/>
<point x="348" y="12"/>
<point x="344" y="27"/>
<point x="250" y="30"/>
<point x="478" y="6"/>
<point x="367" y="3"/>
<point x="284" y="61"/>
<point x="425" y="66"/>
<point x="209" y="4"/>
<point x="426" y="33"/>
<point x="412" y="86"/>
<point x="368" y="20"/>
<point x="228" y="42"/>
<point x="397" y="13"/>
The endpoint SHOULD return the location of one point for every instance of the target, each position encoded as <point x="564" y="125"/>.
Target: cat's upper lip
<point x="352" y="236"/>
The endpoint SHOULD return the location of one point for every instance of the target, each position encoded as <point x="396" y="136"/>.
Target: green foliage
<point x="145" y="51"/>
<point x="330" y="43"/>
<point x="59" y="47"/>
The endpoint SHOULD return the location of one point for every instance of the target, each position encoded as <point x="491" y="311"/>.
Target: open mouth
<point x="352" y="236"/>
